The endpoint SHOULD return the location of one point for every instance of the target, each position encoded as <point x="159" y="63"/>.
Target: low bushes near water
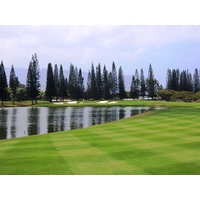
<point x="185" y="96"/>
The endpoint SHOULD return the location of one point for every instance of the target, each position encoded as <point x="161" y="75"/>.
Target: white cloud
<point x="86" y="44"/>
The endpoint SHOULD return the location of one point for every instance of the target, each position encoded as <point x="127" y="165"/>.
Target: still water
<point x="25" y="121"/>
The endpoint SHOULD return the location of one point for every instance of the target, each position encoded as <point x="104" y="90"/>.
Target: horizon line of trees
<point x="101" y="84"/>
<point x="183" y="80"/>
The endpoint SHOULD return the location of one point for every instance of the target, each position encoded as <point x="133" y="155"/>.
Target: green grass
<point x="158" y="142"/>
<point x="95" y="103"/>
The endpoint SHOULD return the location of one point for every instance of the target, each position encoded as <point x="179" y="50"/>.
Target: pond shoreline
<point x="110" y="103"/>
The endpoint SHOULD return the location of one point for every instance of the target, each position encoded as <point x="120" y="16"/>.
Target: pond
<point x="25" y="121"/>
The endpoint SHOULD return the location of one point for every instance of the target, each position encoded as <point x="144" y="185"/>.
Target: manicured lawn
<point x="158" y="142"/>
<point x="110" y="103"/>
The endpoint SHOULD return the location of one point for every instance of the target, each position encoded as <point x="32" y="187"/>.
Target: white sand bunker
<point x="58" y="103"/>
<point x="112" y="102"/>
<point x="72" y="102"/>
<point x="103" y="102"/>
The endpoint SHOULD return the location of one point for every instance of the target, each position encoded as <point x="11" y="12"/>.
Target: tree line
<point x="101" y="84"/>
<point x="181" y="86"/>
<point x="17" y="91"/>
<point x="183" y="80"/>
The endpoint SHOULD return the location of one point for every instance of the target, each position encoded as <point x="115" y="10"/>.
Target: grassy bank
<point x="158" y="142"/>
<point x="109" y="103"/>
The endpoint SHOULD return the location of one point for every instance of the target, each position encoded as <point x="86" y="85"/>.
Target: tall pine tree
<point x="196" y="81"/>
<point x="50" y="87"/>
<point x="30" y="87"/>
<point x="169" y="80"/>
<point x="106" y="94"/>
<point x="62" y="85"/>
<point x="137" y="84"/>
<point x="93" y="83"/>
<point x="72" y="83"/>
<point x="88" y="91"/>
<point x="81" y="87"/>
<point x="56" y="81"/>
<point x="33" y="79"/>
<point x="3" y="83"/>
<point x="113" y="82"/>
<point x="122" y="91"/>
<point x="189" y="82"/>
<point x="175" y="85"/>
<point x="133" y="93"/>
<point x="151" y="83"/>
<point x="99" y="84"/>
<point x="13" y="83"/>
<point x="142" y="84"/>
<point x="183" y="81"/>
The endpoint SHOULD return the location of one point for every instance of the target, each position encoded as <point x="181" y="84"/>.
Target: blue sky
<point x="132" y="47"/>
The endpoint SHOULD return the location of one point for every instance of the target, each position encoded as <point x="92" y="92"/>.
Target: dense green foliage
<point x="186" y="96"/>
<point x="149" y="143"/>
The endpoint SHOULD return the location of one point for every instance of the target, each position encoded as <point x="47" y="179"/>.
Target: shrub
<point x="166" y="94"/>
<point x="183" y="96"/>
<point x="197" y="96"/>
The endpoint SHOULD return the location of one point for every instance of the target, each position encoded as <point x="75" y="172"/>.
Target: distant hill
<point x="22" y="73"/>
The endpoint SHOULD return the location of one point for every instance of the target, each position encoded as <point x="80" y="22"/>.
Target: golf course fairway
<point x="162" y="142"/>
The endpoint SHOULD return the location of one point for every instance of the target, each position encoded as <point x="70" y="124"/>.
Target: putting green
<point x="158" y="142"/>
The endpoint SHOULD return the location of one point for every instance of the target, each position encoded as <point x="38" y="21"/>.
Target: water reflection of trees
<point x="33" y="121"/>
<point x="113" y="114"/>
<point x="50" y="119"/>
<point x="62" y="120"/>
<point x="76" y="118"/>
<point x="97" y="116"/>
<point x="3" y="123"/>
<point x="135" y="112"/>
<point x="102" y="115"/>
<point x="56" y="119"/>
<point x="121" y="113"/>
<point x="13" y="123"/>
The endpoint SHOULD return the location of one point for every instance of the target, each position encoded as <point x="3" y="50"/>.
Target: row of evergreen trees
<point x="183" y="80"/>
<point x="141" y="87"/>
<point x="59" y="87"/>
<point x="17" y="91"/>
<point x="100" y="84"/>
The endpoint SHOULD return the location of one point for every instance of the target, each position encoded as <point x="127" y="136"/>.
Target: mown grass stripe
<point x="33" y="156"/>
